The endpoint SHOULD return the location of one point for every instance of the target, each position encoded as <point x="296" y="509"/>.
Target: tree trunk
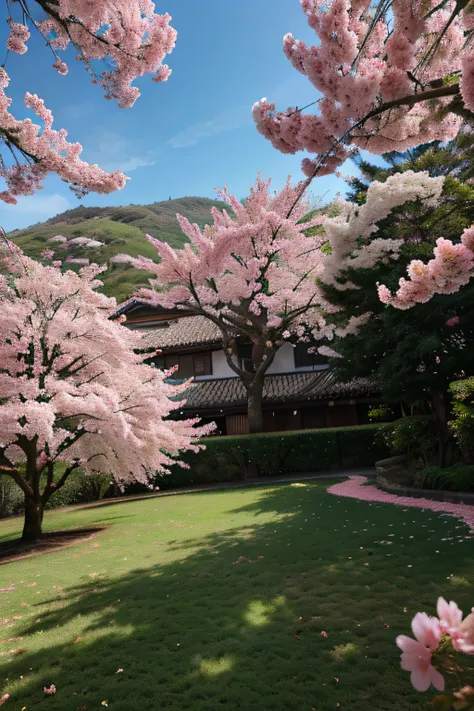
<point x="445" y="444"/>
<point x="254" y="407"/>
<point x="32" y="528"/>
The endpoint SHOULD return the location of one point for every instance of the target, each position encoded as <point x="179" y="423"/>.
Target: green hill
<point x="122" y="229"/>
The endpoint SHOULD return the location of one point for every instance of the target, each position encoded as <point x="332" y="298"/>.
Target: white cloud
<point x="30" y="209"/>
<point x="134" y="163"/>
<point x="222" y="123"/>
<point x="289" y="92"/>
<point x="117" y="153"/>
<point x="286" y="93"/>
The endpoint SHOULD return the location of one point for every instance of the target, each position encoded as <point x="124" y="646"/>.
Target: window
<point x="165" y="362"/>
<point x="186" y="366"/>
<point x="189" y="364"/>
<point x="303" y="359"/>
<point x="202" y="363"/>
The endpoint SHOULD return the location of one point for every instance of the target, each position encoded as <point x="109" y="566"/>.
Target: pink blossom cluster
<point x="129" y="34"/>
<point x="73" y="386"/>
<point x="18" y="37"/>
<point x="373" y="71"/>
<point x="45" y="150"/>
<point x="85" y="242"/>
<point x="451" y="268"/>
<point x="429" y="631"/>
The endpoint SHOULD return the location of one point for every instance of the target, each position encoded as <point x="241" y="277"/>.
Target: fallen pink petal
<point x="355" y="487"/>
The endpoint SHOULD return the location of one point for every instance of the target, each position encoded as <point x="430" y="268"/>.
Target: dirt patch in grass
<point x="51" y="541"/>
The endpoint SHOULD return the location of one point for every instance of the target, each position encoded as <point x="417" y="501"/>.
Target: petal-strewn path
<point x="355" y="488"/>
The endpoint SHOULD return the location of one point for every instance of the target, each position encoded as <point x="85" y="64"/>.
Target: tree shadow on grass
<point x="235" y="622"/>
<point x="51" y="541"/>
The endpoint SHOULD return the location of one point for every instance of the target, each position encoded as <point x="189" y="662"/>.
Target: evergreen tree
<point x="414" y="354"/>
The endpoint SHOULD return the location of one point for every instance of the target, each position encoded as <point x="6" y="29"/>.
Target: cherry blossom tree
<point x="128" y="34"/>
<point x="393" y="74"/>
<point x="73" y="389"/>
<point x="257" y="274"/>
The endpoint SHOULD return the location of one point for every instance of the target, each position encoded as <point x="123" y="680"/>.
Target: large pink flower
<point x="461" y="632"/>
<point x="416" y="653"/>
<point x="449" y="614"/>
<point x="465" y="635"/>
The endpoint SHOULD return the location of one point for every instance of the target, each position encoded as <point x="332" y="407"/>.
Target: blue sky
<point x="189" y="135"/>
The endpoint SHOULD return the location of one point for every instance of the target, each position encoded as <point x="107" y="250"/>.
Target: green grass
<point x="218" y="600"/>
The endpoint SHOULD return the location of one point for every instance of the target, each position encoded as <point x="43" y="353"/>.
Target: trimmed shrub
<point x="278" y="453"/>
<point x="11" y="497"/>
<point x="459" y="477"/>
<point x="462" y="423"/>
<point x="414" y="435"/>
<point x="78" y="489"/>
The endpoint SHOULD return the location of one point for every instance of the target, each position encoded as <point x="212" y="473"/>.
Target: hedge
<point x="234" y="458"/>
<point x="78" y="489"/>
<point x="459" y="477"/>
<point x="278" y="453"/>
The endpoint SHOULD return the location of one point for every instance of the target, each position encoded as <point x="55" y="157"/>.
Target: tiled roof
<point x="183" y="331"/>
<point x="288" y="387"/>
<point x="125" y="305"/>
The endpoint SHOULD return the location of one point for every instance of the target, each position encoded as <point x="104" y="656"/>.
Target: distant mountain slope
<point x="122" y="229"/>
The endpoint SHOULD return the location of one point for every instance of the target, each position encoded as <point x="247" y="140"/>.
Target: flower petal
<point x="421" y="679"/>
<point x="407" y="644"/>
<point x="437" y="679"/>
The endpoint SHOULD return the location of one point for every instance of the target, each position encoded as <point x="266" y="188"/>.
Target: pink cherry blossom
<point x="417" y="653"/>
<point x="61" y="67"/>
<point x="382" y="87"/>
<point x="463" y="639"/>
<point x="452" y="322"/>
<point x="74" y="389"/>
<point x="129" y="37"/>
<point x="228" y="271"/>
<point x="50" y="690"/>
<point x="449" y="614"/>
<point x="135" y="42"/>
<point x="451" y="268"/>
<point x="19" y="35"/>
<point x="53" y="152"/>
<point x="461" y="631"/>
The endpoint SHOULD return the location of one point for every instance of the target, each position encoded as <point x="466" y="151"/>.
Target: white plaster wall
<point x="220" y="367"/>
<point x="284" y="361"/>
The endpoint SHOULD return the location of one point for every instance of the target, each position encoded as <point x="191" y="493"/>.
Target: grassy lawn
<point x="218" y="600"/>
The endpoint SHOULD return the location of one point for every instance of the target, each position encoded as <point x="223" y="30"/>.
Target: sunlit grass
<point x="203" y="601"/>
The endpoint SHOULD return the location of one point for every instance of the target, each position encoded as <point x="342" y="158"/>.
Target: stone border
<point x="453" y="497"/>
